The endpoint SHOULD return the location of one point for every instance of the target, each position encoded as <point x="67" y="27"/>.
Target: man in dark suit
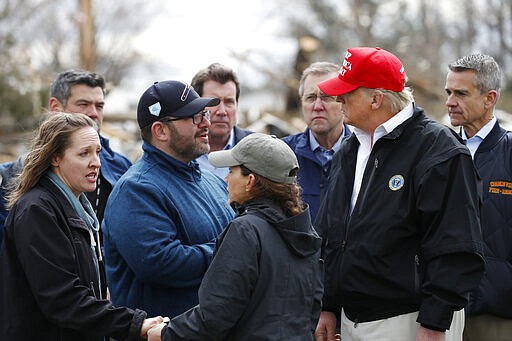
<point x="473" y="87"/>
<point x="220" y="81"/>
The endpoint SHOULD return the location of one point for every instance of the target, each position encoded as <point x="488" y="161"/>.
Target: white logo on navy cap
<point x="396" y="182"/>
<point x="185" y="92"/>
<point x="155" y="109"/>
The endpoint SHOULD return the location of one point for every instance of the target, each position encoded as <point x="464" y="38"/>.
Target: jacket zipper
<point x="416" y="274"/>
<point x="92" y="288"/>
<point x="348" y="216"/>
<point x="361" y="203"/>
<point x="368" y="184"/>
<point x="96" y="258"/>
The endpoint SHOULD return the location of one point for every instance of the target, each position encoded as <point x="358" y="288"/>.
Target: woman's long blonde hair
<point x="52" y="138"/>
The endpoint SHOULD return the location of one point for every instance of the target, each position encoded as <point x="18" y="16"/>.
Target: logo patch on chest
<point x="396" y="182"/>
<point x="500" y="187"/>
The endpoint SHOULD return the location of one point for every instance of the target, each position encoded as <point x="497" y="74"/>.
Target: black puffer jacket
<point x="493" y="160"/>
<point x="264" y="282"/>
<point x="49" y="287"/>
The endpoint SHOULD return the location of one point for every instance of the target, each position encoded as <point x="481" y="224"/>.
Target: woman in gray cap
<point x="265" y="280"/>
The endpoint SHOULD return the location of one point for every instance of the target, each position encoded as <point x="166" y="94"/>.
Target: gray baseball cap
<point x="263" y="154"/>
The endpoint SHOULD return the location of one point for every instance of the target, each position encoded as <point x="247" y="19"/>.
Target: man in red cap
<point x="403" y="244"/>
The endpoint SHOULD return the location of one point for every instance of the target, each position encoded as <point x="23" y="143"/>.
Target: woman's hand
<point x="149" y="323"/>
<point x="154" y="334"/>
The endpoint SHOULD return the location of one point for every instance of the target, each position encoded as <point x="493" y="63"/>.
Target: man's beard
<point x="186" y="146"/>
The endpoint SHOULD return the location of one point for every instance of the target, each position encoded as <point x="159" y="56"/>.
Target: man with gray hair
<point x="401" y="215"/>
<point x="322" y="138"/>
<point x="473" y="87"/>
<point x="78" y="92"/>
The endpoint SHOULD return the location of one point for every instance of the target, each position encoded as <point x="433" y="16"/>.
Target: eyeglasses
<point x="196" y="119"/>
<point x="311" y="98"/>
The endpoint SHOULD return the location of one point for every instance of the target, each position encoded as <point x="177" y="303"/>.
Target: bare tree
<point x="421" y="33"/>
<point x="19" y="87"/>
<point x="39" y="38"/>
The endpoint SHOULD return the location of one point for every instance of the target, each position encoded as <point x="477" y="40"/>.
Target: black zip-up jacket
<point x="413" y="241"/>
<point x="49" y="288"/>
<point x="264" y="282"/>
<point x="493" y="160"/>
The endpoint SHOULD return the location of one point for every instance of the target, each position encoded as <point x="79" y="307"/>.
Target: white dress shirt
<point x="474" y="142"/>
<point x="366" y="143"/>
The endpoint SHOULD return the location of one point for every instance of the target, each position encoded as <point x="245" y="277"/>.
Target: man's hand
<point x="326" y="327"/>
<point x="425" y="334"/>
<point x="149" y="323"/>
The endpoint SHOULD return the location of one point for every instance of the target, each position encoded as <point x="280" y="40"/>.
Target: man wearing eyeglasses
<point x="164" y="214"/>
<point x="317" y="144"/>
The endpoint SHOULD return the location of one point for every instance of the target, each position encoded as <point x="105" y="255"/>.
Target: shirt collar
<point x="483" y="132"/>
<point x="313" y="143"/>
<point x="204" y="163"/>
<point x="231" y="140"/>
<point x="397" y="119"/>
<point x="388" y="126"/>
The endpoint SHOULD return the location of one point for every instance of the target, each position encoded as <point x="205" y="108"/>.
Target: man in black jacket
<point x="403" y="246"/>
<point x="222" y="82"/>
<point x="80" y="92"/>
<point x="473" y="88"/>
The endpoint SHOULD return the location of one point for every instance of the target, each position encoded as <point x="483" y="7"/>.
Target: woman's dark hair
<point x="286" y="195"/>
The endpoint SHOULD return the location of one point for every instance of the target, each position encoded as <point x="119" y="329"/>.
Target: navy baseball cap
<point x="170" y="98"/>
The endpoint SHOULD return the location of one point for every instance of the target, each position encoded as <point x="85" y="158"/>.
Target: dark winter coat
<point x="493" y="160"/>
<point x="413" y="240"/>
<point x="264" y="282"/>
<point x="49" y="287"/>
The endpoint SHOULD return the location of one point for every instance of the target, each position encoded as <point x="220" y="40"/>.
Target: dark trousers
<point x="486" y="328"/>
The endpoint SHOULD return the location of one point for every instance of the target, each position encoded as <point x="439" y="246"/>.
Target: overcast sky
<point x="187" y="36"/>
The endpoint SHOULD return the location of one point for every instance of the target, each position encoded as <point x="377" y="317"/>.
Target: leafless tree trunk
<point x="87" y="33"/>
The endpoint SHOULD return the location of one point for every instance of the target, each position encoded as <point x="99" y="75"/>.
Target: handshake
<point x="152" y="328"/>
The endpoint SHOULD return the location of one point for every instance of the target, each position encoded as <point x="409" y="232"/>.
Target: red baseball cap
<point x="369" y="67"/>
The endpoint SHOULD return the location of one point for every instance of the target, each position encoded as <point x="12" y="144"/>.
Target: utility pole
<point x="87" y="44"/>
